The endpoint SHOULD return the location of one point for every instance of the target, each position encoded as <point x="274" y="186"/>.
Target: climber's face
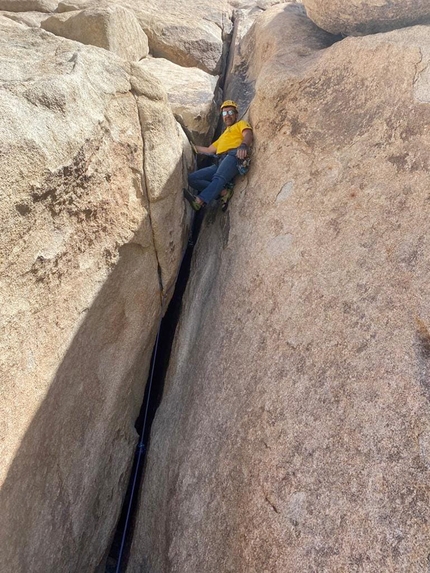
<point x="229" y="115"/>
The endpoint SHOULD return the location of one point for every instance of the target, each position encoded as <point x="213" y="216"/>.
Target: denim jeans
<point x="210" y="181"/>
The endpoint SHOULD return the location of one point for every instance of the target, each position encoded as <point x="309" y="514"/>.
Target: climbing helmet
<point x="229" y="103"/>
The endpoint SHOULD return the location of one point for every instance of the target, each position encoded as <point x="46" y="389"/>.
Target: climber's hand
<point x="242" y="151"/>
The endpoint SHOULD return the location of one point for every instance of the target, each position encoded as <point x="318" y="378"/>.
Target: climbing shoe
<point x="229" y="190"/>
<point x="192" y="200"/>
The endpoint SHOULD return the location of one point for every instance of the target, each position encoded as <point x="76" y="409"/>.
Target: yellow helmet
<point x="229" y="103"/>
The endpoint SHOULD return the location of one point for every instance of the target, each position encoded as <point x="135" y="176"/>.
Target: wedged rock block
<point x="80" y="293"/>
<point x="218" y="12"/>
<point x="294" y="434"/>
<point x="191" y="44"/>
<point x="366" y="16"/>
<point x="193" y="96"/>
<point x="71" y="5"/>
<point x="114" y="28"/>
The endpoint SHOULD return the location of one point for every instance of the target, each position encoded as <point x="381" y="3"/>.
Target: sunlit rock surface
<point x="83" y="263"/>
<point x="186" y="33"/>
<point x="113" y="28"/>
<point x="295" y="428"/>
<point x="194" y="97"/>
<point x="29" y="5"/>
<point x="366" y="16"/>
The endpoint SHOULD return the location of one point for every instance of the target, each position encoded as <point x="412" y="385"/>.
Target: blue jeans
<point x="210" y="181"/>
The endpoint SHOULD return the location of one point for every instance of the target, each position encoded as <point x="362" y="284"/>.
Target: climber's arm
<point x="248" y="138"/>
<point x="211" y="150"/>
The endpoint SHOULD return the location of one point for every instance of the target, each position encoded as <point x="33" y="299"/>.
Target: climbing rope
<point x="140" y="456"/>
<point x="141" y="447"/>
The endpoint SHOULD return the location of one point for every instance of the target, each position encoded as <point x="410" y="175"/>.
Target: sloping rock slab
<point x="294" y="434"/>
<point x="366" y="16"/>
<point x="115" y="29"/>
<point x="29" y="5"/>
<point x="193" y="96"/>
<point x="31" y="19"/>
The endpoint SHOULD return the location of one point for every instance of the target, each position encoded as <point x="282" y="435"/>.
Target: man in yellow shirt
<point x="230" y="148"/>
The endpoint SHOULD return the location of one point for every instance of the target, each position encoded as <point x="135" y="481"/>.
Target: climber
<point x="230" y="150"/>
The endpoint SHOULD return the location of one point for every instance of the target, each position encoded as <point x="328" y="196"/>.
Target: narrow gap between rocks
<point x="152" y="398"/>
<point x="120" y="549"/>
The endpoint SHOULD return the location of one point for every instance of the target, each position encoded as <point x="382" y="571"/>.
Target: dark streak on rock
<point x="423" y="355"/>
<point x="275" y="509"/>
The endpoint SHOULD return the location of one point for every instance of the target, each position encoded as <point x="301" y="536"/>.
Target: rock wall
<point x="113" y="28"/>
<point x="93" y="229"/>
<point x="92" y="165"/>
<point x="366" y="16"/>
<point x="295" y="428"/>
<point x="193" y="94"/>
<point x="188" y="34"/>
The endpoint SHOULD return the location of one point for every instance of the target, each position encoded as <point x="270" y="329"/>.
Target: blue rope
<point x="141" y="446"/>
<point x="141" y="451"/>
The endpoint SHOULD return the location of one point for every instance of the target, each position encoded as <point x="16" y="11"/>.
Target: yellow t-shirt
<point x="232" y="137"/>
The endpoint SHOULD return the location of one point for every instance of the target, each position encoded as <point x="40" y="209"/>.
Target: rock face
<point x="115" y="29"/>
<point x="237" y="84"/>
<point x="29" y="5"/>
<point x="190" y="44"/>
<point x="366" y="16"/>
<point x="251" y="53"/>
<point x="31" y="19"/>
<point x="294" y="432"/>
<point x="166" y="165"/>
<point x="81" y="254"/>
<point x="188" y="34"/>
<point x="193" y="96"/>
